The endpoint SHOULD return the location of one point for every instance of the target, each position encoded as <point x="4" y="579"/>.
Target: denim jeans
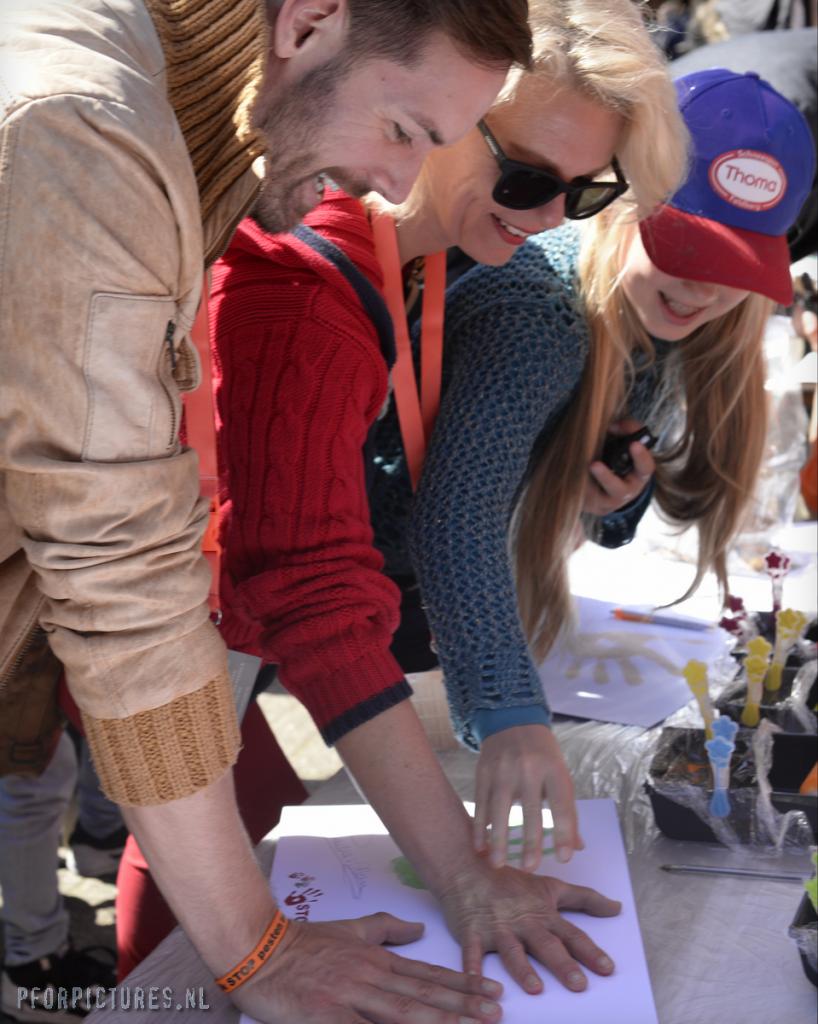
<point x="32" y="811"/>
<point x="98" y="815"/>
<point x="34" y="917"/>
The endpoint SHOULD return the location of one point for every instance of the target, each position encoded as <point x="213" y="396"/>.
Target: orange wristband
<point x="245" y="970"/>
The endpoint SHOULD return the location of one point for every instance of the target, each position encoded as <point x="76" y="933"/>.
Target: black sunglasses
<point x="523" y="186"/>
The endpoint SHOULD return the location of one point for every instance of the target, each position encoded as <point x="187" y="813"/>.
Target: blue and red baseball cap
<point x="752" y="166"/>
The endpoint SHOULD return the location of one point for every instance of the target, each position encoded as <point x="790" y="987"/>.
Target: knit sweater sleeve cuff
<point x="485" y="723"/>
<point x="168" y="752"/>
<point x="366" y="710"/>
<point x="343" y="697"/>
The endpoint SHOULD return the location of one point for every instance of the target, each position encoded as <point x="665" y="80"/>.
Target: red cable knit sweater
<point x="299" y="381"/>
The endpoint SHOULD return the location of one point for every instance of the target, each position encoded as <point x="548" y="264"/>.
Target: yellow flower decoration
<point x="790" y="621"/>
<point x="695" y="672"/>
<point x="756" y="667"/>
<point x="759" y="648"/>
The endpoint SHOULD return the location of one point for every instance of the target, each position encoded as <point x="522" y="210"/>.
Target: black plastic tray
<point x="793" y="757"/>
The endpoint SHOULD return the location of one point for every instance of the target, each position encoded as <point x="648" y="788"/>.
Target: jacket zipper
<point x="218" y="250"/>
<point x="22" y="651"/>
<point x="170" y="330"/>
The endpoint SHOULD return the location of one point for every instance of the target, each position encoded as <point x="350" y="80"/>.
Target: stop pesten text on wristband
<point x="245" y="969"/>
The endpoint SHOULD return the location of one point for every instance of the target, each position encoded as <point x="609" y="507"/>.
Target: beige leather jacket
<point x="124" y="161"/>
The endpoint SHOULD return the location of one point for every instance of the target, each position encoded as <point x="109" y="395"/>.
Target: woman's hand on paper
<point x="518" y="915"/>
<point x="339" y="973"/>
<point x="524" y="765"/>
<point x="605" y="492"/>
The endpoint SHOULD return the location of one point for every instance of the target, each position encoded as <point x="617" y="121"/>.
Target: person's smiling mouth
<point x="510" y="232"/>
<point x="679" y="312"/>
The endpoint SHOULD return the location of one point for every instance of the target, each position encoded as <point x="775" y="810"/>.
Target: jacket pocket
<point x="133" y="400"/>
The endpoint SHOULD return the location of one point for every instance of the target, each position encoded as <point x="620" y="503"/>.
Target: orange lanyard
<point x="200" y="421"/>
<point x="417" y="406"/>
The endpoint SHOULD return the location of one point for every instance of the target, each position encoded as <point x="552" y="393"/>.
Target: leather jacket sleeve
<point x="100" y="267"/>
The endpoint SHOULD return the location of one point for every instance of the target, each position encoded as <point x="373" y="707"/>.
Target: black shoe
<point x="92" y="857"/>
<point x="42" y="990"/>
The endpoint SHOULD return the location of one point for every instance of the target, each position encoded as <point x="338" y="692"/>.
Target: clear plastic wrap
<point x="608" y="760"/>
<point x="774" y="828"/>
<point x="797" y="701"/>
<point x="680" y="782"/>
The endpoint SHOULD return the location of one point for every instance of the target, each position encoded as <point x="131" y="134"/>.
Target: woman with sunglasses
<point x="303" y="352"/>
<point x="609" y="323"/>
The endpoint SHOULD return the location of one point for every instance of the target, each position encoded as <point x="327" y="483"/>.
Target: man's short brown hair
<point x="492" y="33"/>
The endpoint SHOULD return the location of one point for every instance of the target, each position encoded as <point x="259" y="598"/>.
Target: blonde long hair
<point x="603" y="50"/>
<point x="706" y="479"/>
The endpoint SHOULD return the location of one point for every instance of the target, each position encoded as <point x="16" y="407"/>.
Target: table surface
<point x="717" y="947"/>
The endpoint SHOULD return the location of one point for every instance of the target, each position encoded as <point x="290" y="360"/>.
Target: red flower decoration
<point x="777" y="562"/>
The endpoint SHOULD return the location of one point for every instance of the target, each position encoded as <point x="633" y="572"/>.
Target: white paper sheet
<point x="339" y="863"/>
<point x="624" y="672"/>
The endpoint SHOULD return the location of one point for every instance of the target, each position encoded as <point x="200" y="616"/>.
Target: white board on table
<point x="338" y="862"/>
<point x="624" y="672"/>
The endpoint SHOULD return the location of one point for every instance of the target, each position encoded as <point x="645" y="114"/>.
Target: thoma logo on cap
<point x="748" y="179"/>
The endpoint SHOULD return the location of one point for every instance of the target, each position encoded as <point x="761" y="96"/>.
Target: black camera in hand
<point x="616" y="450"/>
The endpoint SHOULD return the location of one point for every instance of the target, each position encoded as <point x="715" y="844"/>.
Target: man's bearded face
<point x="291" y="122"/>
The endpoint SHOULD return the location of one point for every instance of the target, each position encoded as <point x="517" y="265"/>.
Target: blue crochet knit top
<point x="515" y="346"/>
